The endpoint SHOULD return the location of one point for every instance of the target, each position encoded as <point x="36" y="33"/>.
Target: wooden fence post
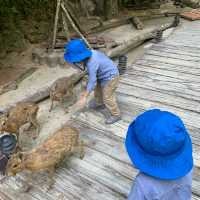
<point x="56" y="23"/>
<point x="73" y="25"/>
<point x="111" y="8"/>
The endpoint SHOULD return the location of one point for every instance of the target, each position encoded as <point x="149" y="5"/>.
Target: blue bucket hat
<point x="158" y="145"/>
<point x="76" y="51"/>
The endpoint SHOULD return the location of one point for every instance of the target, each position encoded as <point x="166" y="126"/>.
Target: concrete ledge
<point x="35" y="87"/>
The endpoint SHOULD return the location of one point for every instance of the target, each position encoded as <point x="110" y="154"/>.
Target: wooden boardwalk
<point x="166" y="77"/>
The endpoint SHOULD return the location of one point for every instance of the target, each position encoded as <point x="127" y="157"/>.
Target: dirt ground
<point x="15" y="64"/>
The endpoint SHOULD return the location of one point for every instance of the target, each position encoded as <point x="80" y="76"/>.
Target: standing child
<point x="159" y="145"/>
<point x="103" y="77"/>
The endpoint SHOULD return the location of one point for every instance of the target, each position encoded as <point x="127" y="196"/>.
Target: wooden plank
<point x="103" y="141"/>
<point x="157" y="96"/>
<point x="181" y="44"/>
<point x="166" y="66"/>
<point x="189" y="117"/>
<point x="181" y="84"/>
<point x="102" y="174"/>
<point x="188" y="36"/>
<point x="188" y="78"/>
<point x="175" y="50"/>
<point x="76" y="185"/>
<point x="185" y="40"/>
<point x="186" y="49"/>
<point x="12" y="188"/>
<point x="177" y="89"/>
<point x="173" y="55"/>
<point x="195" y="131"/>
<point x="196" y="181"/>
<point x="119" y="169"/>
<point x="195" y="197"/>
<point x="12" y="194"/>
<point x="96" y="121"/>
<point x="172" y="61"/>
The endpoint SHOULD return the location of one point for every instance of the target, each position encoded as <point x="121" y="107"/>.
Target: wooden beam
<point x="73" y="25"/>
<point x="134" y="42"/>
<point x="65" y="26"/>
<point x="56" y="23"/>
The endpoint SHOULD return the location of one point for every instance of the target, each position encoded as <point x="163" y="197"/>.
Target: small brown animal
<point x="19" y="115"/>
<point x="63" y="88"/>
<point x="46" y="156"/>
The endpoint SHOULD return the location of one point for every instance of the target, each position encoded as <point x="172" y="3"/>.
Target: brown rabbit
<point x="46" y="156"/>
<point x="19" y="115"/>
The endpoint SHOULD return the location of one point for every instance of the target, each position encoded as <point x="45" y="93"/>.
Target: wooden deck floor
<point x="168" y="77"/>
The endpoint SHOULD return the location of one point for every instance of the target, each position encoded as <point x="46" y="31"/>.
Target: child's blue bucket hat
<point x="76" y="51"/>
<point x="158" y="145"/>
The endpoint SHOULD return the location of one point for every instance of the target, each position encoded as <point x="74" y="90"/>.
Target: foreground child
<point x="160" y="147"/>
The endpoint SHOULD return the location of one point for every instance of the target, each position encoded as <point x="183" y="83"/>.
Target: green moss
<point x="23" y="21"/>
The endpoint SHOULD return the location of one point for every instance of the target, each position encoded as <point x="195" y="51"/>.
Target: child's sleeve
<point x="92" y="71"/>
<point x="136" y="192"/>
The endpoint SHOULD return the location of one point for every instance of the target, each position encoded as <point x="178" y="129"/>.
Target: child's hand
<point x="81" y="103"/>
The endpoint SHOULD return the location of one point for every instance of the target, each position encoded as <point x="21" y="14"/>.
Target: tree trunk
<point x="99" y="7"/>
<point x="120" y="4"/>
<point x="84" y="8"/>
<point x="111" y="8"/>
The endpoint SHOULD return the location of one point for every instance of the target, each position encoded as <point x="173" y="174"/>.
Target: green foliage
<point x="18" y="18"/>
<point x="126" y="1"/>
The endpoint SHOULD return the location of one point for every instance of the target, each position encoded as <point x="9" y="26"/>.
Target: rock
<point x="52" y="59"/>
<point x="36" y="55"/>
<point x="61" y="60"/>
